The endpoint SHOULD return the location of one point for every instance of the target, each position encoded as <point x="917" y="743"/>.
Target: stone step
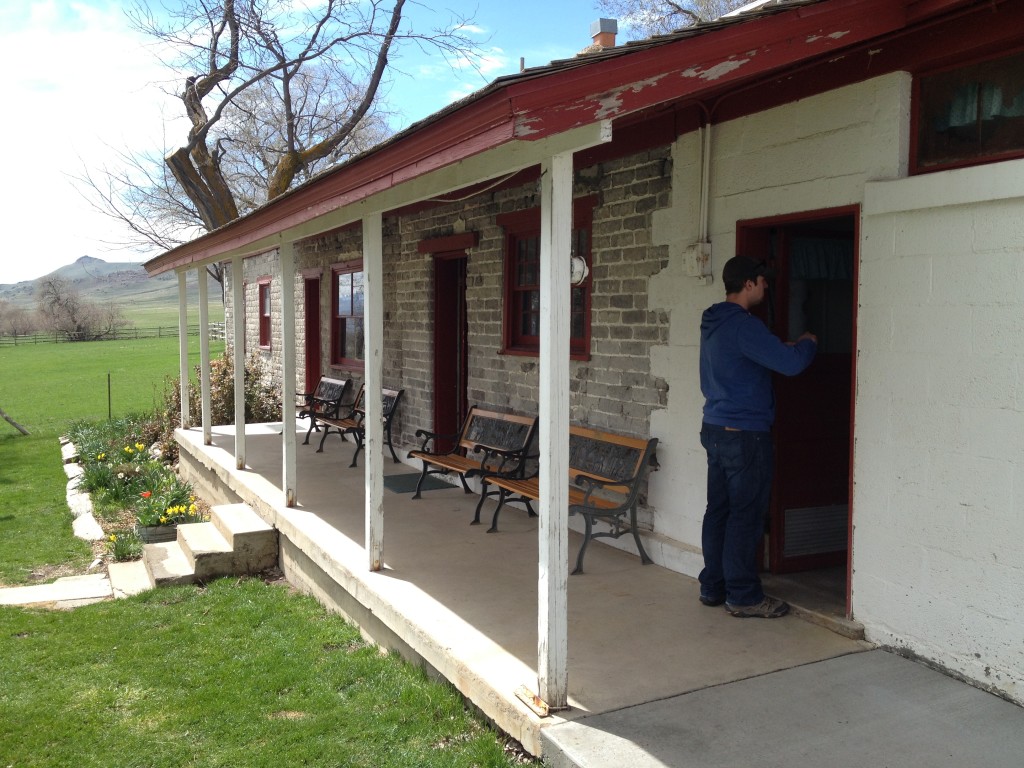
<point x="167" y="564"/>
<point x="129" y="578"/>
<point x="253" y="541"/>
<point x="208" y="552"/>
<point x="236" y="541"/>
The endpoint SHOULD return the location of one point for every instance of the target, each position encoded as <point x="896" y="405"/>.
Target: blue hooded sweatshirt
<point x="737" y="356"/>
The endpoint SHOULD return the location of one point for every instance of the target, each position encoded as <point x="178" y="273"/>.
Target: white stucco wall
<point x="813" y="154"/>
<point x="939" y="457"/>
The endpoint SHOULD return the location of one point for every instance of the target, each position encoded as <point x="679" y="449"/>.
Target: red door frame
<point x="750" y="236"/>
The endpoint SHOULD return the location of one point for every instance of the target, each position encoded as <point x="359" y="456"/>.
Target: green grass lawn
<point x="239" y="673"/>
<point x="44" y="388"/>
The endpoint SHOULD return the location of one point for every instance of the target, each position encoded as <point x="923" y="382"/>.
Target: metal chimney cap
<point x="604" y="25"/>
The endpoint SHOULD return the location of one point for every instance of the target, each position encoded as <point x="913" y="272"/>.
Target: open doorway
<point x="814" y="289"/>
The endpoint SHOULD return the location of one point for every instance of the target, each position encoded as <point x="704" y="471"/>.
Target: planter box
<point x="156" y="534"/>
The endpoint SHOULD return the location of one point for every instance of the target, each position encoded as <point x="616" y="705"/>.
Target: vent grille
<point x="815" y="530"/>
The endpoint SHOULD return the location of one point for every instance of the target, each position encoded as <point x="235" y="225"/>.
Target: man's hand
<point x="808" y="335"/>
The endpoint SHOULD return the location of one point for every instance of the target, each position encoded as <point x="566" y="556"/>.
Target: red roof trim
<point x="573" y="95"/>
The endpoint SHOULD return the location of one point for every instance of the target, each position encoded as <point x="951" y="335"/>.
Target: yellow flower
<point x="140" y="447"/>
<point x="113" y="537"/>
<point x="128" y="450"/>
<point x="100" y="456"/>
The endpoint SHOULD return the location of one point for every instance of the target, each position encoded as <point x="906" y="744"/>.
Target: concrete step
<point x="129" y="578"/>
<point x="207" y="550"/>
<point x="167" y="564"/>
<point x="253" y="541"/>
<point x="236" y="541"/>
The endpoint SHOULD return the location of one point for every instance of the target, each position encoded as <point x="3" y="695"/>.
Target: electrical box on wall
<point x="698" y="260"/>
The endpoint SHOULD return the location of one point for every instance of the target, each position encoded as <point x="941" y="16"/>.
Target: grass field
<point x="45" y="387"/>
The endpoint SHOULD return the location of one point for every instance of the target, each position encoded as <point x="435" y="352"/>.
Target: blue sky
<point x="86" y="87"/>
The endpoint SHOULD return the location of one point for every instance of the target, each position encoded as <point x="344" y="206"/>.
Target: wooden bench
<point x="488" y="441"/>
<point x="326" y="400"/>
<point x="352" y="424"/>
<point x="605" y="474"/>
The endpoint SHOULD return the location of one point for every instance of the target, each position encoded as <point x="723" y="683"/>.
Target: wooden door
<point x="312" y="342"/>
<point x="450" y="344"/>
<point x="813" y="290"/>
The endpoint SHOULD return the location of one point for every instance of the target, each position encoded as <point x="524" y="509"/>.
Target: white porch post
<point x="238" y="306"/>
<point x="553" y="435"/>
<point x="186" y="417"/>
<point x="289" y="479"/>
<point x="204" y="354"/>
<point x="373" y="378"/>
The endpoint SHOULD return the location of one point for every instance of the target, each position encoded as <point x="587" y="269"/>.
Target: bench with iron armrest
<point x="605" y="474"/>
<point x="488" y="441"/>
<point x="352" y="424"/>
<point x="326" y="400"/>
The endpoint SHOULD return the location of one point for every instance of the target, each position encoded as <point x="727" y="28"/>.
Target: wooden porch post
<point x="186" y="417"/>
<point x="553" y="435"/>
<point x="204" y="355"/>
<point x="373" y="378"/>
<point x="289" y="479"/>
<point x="238" y="307"/>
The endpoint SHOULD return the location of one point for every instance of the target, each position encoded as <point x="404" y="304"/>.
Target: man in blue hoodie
<point x="737" y="357"/>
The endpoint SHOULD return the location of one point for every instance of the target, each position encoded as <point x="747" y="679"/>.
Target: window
<point x="347" y="316"/>
<point x="969" y="115"/>
<point x="264" y="289"/>
<point x="522" y="282"/>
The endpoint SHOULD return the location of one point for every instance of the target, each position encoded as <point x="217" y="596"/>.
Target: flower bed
<point x="133" y="487"/>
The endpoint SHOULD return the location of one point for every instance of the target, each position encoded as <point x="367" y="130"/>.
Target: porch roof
<point x="701" y="63"/>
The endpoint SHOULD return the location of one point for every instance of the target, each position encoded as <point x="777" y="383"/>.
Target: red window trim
<point x="345" y="363"/>
<point x="265" y="308"/>
<point x="526" y="223"/>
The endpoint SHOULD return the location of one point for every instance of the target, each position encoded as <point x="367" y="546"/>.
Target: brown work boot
<point x="768" y="608"/>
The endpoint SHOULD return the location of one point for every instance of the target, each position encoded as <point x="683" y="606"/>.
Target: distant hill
<point x="122" y="283"/>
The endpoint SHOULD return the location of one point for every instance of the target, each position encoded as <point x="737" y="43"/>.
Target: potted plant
<point x="160" y="510"/>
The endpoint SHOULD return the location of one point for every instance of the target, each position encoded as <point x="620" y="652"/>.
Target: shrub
<point x="262" y="397"/>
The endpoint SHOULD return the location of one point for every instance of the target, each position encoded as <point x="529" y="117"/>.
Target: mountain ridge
<point x="124" y="283"/>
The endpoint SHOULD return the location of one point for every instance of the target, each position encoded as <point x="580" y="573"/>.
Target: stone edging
<point x="85" y="525"/>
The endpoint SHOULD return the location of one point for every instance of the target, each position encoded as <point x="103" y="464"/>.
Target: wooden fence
<point x="166" y="331"/>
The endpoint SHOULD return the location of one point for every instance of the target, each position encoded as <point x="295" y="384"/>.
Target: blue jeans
<point x="739" y="487"/>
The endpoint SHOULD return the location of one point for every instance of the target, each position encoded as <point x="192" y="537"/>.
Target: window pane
<point x="265" y="299"/>
<point x="358" y="293"/>
<point x="354" y="338"/>
<point x="576" y="326"/>
<point x="344" y="295"/>
<point x="971" y="113"/>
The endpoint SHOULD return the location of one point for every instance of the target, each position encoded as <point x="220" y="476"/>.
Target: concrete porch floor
<point x="464" y="602"/>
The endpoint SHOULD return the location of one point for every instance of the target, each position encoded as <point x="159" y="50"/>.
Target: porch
<point x="464" y="603"/>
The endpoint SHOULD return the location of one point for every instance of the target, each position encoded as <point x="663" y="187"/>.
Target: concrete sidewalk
<point x="69" y="592"/>
<point x="865" y="709"/>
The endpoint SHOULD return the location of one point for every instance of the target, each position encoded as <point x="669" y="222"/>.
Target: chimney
<point x="603" y="31"/>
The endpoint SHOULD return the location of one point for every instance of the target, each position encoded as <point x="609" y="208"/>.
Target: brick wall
<point x="614" y="389"/>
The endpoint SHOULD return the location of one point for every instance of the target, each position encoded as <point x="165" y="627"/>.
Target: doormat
<point x="406" y="483"/>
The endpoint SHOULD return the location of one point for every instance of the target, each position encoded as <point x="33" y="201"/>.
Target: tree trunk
<point x="13" y="423"/>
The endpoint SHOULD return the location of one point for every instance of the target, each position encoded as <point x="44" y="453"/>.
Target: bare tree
<point x="646" y="18"/>
<point x="14" y="320"/>
<point x="64" y="311"/>
<point x="274" y="92"/>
